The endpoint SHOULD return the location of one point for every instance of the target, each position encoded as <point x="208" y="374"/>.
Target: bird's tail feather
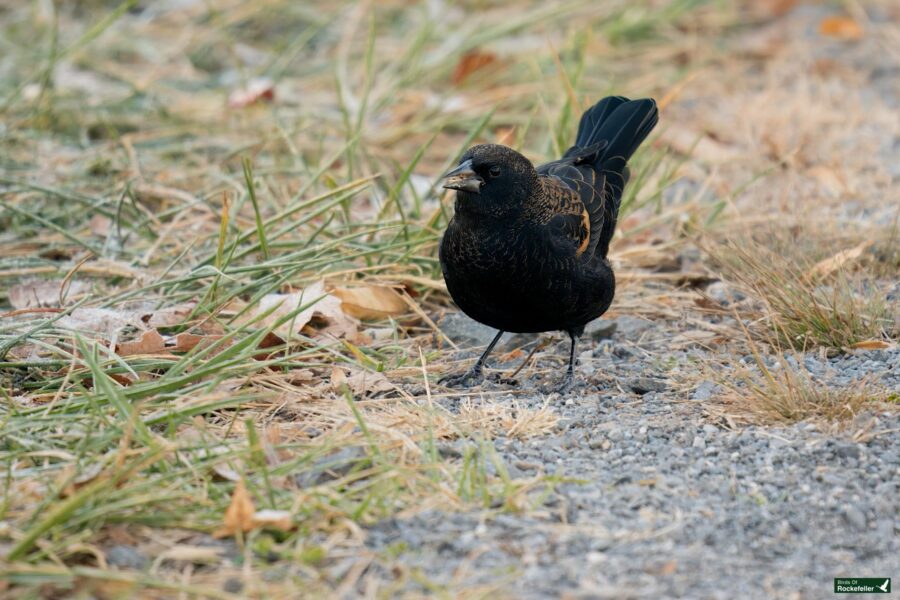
<point x="622" y="123"/>
<point x="594" y="117"/>
<point x="615" y="126"/>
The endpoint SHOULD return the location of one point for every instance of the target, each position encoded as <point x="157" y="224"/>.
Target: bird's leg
<point x="476" y="373"/>
<point x="569" y="381"/>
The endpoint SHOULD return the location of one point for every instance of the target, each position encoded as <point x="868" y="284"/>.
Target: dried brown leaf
<point x="273" y="519"/>
<point x="99" y="320"/>
<point x="258" y="90"/>
<point x="100" y="225"/>
<point x="40" y="293"/>
<point x="169" y="316"/>
<point x="225" y="472"/>
<point x="185" y="342"/>
<point x="151" y="342"/>
<point x="326" y="310"/>
<point x="470" y="62"/>
<point x="371" y="301"/>
<point x="828" y="266"/>
<point x="775" y="8"/>
<point x="107" y="321"/>
<point x="707" y="303"/>
<point x="843" y="28"/>
<point x="239" y="514"/>
<point x="121" y="379"/>
<point x="360" y="382"/>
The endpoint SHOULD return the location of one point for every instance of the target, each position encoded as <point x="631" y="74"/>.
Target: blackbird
<point x="525" y="251"/>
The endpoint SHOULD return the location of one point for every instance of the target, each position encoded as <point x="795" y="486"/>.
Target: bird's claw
<point x="464" y="380"/>
<point x="567" y="385"/>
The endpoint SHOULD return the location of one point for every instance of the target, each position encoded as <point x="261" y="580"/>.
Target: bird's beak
<point x="464" y="179"/>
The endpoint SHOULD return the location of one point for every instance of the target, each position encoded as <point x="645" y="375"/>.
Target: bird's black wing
<point x="595" y="167"/>
<point x="575" y="201"/>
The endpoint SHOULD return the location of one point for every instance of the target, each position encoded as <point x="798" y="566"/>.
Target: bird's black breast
<point x="519" y="279"/>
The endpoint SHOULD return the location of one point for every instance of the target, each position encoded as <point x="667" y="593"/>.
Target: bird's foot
<point x="567" y="385"/>
<point x="463" y="380"/>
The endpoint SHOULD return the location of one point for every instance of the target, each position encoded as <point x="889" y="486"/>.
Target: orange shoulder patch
<point x="585" y="232"/>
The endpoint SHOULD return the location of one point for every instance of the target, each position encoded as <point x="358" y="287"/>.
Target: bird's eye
<point x="494" y="171"/>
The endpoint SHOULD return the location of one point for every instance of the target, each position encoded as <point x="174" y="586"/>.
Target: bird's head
<point x="492" y="180"/>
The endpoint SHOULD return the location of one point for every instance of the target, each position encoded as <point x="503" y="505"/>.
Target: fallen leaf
<point x="828" y="266"/>
<point x="338" y="378"/>
<point x="273" y="434"/>
<point x="258" y="90"/>
<point x="273" y="519"/>
<point x="169" y="316"/>
<point x="707" y="303"/>
<point x="371" y="301"/>
<point x="41" y="293"/>
<point x="870" y="345"/>
<point x="185" y="342"/>
<point x="120" y="534"/>
<point x="100" y="225"/>
<point x="239" y="514"/>
<point x="151" y="342"/>
<point x="299" y="377"/>
<point x="121" y="379"/>
<point x="99" y="320"/>
<point x="108" y="321"/>
<point x="775" y="8"/>
<point x="843" y="28"/>
<point x="470" y="62"/>
<point x="360" y="382"/>
<point x="225" y="473"/>
<point x="269" y="341"/>
<point x="325" y="309"/>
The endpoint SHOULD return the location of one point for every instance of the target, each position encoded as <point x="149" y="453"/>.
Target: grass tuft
<point x="806" y="304"/>
<point x="777" y="388"/>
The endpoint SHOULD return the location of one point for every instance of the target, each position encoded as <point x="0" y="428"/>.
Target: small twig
<point x="542" y="344"/>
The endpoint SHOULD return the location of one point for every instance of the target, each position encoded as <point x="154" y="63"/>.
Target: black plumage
<point x="526" y="249"/>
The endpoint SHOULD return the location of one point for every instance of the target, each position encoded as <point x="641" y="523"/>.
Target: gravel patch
<point x="663" y="502"/>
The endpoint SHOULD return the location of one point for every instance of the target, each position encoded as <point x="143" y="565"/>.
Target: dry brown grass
<point x="776" y="391"/>
<point x="805" y="298"/>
